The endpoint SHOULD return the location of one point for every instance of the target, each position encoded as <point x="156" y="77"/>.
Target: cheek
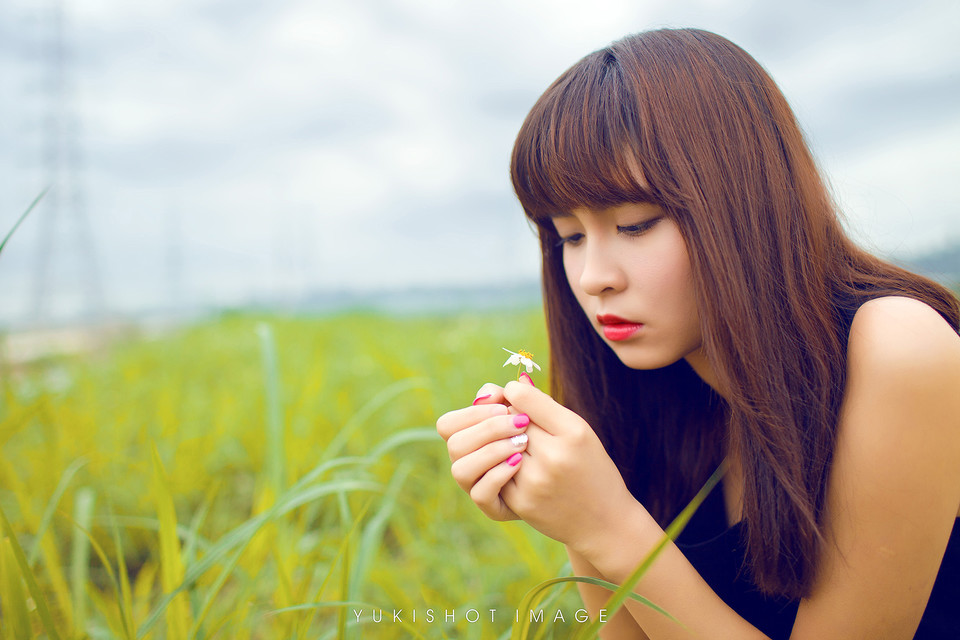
<point x="674" y="278"/>
<point x="685" y="295"/>
<point x="572" y="271"/>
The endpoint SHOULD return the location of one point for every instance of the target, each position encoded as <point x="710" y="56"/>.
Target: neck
<point x="701" y="365"/>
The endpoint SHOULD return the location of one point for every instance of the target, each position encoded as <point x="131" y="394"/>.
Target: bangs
<point x="579" y="146"/>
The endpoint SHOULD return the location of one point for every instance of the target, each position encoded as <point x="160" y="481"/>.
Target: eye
<point x="638" y="229"/>
<point x="572" y="240"/>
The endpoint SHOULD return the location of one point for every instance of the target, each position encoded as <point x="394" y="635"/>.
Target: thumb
<point x="543" y="410"/>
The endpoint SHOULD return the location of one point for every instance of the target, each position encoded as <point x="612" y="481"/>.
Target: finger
<point x="486" y="492"/>
<point x="510" y="493"/>
<point x="454" y="421"/>
<point x="489" y="394"/>
<point x="469" y="469"/>
<point x="546" y="412"/>
<point x="483" y="433"/>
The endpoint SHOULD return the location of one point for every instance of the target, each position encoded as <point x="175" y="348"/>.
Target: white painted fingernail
<point x="519" y="440"/>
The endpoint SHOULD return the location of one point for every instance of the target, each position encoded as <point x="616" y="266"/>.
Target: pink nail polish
<point x="528" y="379"/>
<point x="479" y="398"/>
<point x="514" y="460"/>
<point x="521" y="420"/>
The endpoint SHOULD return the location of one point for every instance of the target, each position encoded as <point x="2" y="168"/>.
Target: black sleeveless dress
<point x="717" y="551"/>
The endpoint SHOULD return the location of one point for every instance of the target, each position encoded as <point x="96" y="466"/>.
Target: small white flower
<point x="524" y="358"/>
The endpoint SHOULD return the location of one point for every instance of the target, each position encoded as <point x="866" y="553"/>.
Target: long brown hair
<point x="689" y="120"/>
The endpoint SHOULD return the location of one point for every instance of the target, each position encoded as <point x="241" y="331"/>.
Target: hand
<point x="567" y="487"/>
<point x="483" y="455"/>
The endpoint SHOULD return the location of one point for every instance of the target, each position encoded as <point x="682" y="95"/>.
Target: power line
<point x="66" y="272"/>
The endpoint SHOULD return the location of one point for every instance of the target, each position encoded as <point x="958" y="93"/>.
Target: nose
<point x="601" y="271"/>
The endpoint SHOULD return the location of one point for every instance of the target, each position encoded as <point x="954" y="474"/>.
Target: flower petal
<point x="517" y="359"/>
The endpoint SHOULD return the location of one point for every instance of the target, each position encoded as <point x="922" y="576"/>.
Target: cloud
<point x="301" y="144"/>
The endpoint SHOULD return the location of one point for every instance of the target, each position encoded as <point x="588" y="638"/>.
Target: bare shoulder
<point x="894" y="488"/>
<point x="894" y="339"/>
<point x="902" y="397"/>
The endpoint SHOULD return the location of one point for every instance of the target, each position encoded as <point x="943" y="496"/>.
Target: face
<point x="628" y="268"/>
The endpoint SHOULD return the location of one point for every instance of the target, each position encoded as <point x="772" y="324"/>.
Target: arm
<point x="621" y="625"/>
<point x="569" y="489"/>
<point x="893" y="495"/>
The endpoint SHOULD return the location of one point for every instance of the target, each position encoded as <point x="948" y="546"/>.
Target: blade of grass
<point x="56" y="570"/>
<point x="152" y="524"/>
<point x="83" y="504"/>
<point x="532" y="599"/>
<point x="65" y="480"/>
<point x="214" y="590"/>
<point x="346" y="540"/>
<point x="345" y="572"/>
<point x="13" y="601"/>
<point x="547" y="603"/>
<point x="372" y="406"/>
<point x="144" y="588"/>
<point x="346" y="566"/>
<point x="126" y="595"/>
<point x="171" y="564"/>
<point x="274" y="464"/>
<point x="23" y="217"/>
<point x="105" y="562"/>
<point x="242" y="534"/>
<point x="192" y="540"/>
<point x="673" y="530"/>
<point x="413" y="434"/>
<point x="406" y="436"/>
<point x="372" y="536"/>
<point x="39" y="601"/>
<point x="296" y="496"/>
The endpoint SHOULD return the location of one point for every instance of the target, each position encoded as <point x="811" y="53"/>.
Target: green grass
<point x="263" y="477"/>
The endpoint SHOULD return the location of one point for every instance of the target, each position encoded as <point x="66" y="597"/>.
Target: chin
<point x="644" y="359"/>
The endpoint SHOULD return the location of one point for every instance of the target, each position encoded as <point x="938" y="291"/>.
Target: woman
<point x="704" y="305"/>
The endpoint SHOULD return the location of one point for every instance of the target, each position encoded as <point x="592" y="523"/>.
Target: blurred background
<point x="205" y="154"/>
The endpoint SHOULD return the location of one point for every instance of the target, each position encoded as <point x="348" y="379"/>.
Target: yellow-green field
<point x="263" y="477"/>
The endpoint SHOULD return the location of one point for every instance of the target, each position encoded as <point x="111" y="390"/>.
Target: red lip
<point x="616" y="328"/>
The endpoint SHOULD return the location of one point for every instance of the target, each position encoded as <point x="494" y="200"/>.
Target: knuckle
<point x="514" y="388"/>
<point x="518" y="392"/>
<point x="538" y="484"/>
<point x="490" y="388"/>
<point x="453" y="446"/>
<point x="477" y="494"/>
<point x="445" y="425"/>
<point x="486" y="502"/>
<point x="579" y="438"/>
<point x="461" y="475"/>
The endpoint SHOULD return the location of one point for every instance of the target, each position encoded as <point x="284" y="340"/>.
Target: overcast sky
<point x="235" y="149"/>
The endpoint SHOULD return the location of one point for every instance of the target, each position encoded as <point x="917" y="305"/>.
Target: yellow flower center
<point x="526" y="354"/>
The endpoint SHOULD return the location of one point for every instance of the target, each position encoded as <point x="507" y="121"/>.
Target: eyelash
<point x="632" y="230"/>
